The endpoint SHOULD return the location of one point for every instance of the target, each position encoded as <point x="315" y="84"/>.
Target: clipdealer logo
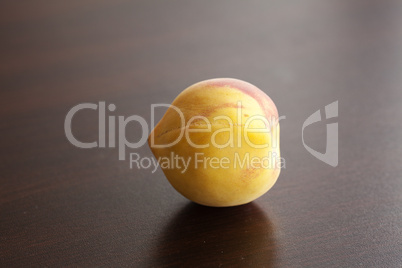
<point x="330" y="156"/>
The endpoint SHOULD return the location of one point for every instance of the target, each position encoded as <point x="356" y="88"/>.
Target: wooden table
<point x="65" y="206"/>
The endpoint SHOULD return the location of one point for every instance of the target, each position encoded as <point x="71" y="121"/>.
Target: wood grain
<point x="65" y="206"/>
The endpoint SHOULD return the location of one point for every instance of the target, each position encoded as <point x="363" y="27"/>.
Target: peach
<point x="218" y="143"/>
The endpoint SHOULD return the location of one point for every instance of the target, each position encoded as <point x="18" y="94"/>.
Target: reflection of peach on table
<point x="236" y="228"/>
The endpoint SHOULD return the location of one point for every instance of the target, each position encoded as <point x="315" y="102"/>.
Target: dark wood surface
<point x="65" y="206"/>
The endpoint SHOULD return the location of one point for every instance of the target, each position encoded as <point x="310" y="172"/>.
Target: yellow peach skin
<point x="228" y="131"/>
